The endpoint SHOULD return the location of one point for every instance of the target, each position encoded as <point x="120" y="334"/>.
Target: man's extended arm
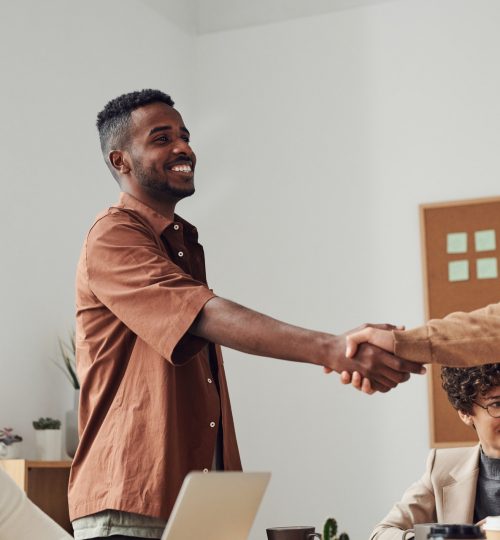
<point x="232" y="325"/>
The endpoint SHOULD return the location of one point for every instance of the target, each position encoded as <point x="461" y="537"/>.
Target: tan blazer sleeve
<point x="417" y="506"/>
<point x="21" y="519"/>
<point x="460" y="339"/>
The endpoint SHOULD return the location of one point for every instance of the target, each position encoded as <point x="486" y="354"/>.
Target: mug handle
<point x="313" y="535"/>
<point x="407" y="532"/>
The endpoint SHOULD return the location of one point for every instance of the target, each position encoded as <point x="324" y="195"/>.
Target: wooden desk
<point x="45" y="483"/>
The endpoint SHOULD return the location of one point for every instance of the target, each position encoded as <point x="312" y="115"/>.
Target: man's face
<point x="487" y="427"/>
<point x="162" y="162"/>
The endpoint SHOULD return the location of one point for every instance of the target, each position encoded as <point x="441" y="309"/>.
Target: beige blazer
<point x="20" y="519"/>
<point x="446" y="493"/>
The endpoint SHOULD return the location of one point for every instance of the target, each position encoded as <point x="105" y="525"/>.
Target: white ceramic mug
<point x="420" y="531"/>
<point x="491" y="528"/>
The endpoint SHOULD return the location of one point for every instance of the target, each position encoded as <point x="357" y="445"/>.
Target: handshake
<point x="369" y="363"/>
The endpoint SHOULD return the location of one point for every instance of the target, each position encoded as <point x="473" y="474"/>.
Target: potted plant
<point x="330" y="531"/>
<point x="48" y="439"/>
<point x="10" y="447"/>
<point x="67" y="364"/>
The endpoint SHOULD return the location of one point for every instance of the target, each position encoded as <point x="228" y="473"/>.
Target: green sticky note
<point x="487" y="268"/>
<point x="456" y="242"/>
<point x="485" y="240"/>
<point x="458" y="270"/>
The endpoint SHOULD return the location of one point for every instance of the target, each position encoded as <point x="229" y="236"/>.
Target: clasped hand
<point x="370" y="363"/>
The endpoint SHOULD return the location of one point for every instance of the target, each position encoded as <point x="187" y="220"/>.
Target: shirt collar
<point x="159" y="222"/>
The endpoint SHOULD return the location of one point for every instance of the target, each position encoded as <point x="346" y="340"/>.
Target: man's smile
<point x="183" y="166"/>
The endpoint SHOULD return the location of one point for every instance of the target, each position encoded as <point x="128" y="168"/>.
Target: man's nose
<point x="182" y="147"/>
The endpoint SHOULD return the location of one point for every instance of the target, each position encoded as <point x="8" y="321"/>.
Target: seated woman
<point x="20" y="519"/>
<point x="460" y="485"/>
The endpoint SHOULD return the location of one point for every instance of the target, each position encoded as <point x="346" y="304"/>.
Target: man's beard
<point x="149" y="179"/>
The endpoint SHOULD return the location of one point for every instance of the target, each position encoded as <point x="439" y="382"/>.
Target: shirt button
<point x="205" y="470"/>
<point x="212" y="424"/>
<point x="181" y="253"/>
<point x="176" y="227"/>
<point x="209" y="380"/>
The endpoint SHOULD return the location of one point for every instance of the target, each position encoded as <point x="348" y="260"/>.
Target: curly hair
<point x="463" y="385"/>
<point x="113" y="121"/>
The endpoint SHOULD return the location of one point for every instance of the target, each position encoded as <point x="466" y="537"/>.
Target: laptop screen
<point x="216" y="506"/>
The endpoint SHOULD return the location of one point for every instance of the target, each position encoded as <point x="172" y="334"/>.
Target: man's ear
<point x="466" y="419"/>
<point x="119" y="161"/>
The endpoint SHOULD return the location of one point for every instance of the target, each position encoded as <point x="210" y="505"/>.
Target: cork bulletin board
<point x="461" y="260"/>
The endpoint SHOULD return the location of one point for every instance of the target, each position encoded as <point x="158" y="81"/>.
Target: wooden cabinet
<point x="45" y="483"/>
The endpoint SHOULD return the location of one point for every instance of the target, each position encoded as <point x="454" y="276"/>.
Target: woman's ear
<point x="466" y="419"/>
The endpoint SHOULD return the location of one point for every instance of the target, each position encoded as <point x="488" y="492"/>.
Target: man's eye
<point x="186" y="139"/>
<point x="495" y="405"/>
<point x="163" y="138"/>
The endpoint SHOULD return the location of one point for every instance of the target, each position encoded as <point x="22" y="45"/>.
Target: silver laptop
<point x="216" y="506"/>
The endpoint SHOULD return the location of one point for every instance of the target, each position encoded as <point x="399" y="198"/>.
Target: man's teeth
<point x="181" y="168"/>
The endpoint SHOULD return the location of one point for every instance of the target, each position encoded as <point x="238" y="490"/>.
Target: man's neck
<point x="164" y="206"/>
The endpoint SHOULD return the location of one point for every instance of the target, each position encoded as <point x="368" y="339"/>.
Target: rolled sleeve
<point x="134" y="278"/>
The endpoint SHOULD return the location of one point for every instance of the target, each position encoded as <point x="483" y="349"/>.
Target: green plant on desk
<point x="330" y="531"/>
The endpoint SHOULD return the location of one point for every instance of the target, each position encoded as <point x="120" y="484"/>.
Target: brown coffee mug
<point x="292" y="533"/>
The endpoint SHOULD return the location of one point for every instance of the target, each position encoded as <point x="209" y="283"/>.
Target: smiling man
<point x="154" y="402"/>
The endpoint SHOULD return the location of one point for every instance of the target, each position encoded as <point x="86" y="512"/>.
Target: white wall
<point x="317" y="139"/>
<point x="60" y="63"/>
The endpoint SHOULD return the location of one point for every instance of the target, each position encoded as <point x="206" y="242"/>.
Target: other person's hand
<point x="376" y="369"/>
<point x="379" y="335"/>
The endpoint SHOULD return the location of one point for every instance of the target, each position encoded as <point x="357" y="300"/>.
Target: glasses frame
<point x="487" y="409"/>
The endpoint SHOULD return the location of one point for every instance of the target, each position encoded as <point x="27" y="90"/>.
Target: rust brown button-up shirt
<point x="149" y="404"/>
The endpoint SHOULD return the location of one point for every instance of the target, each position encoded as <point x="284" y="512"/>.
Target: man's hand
<point x="378" y="336"/>
<point x="381" y="369"/>
<point x="231" y="325"/>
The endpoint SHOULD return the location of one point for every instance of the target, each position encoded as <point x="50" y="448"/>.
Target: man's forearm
<point x="232" y="325"/>
<point x="226" y="323"/>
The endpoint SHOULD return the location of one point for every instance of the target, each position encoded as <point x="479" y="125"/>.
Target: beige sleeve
<point x="21" y="519"/>
<point x="459" y="339"/>
<point x="418" y="505"/>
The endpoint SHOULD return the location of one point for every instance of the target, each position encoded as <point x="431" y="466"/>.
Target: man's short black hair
<point x="113" y="121"/>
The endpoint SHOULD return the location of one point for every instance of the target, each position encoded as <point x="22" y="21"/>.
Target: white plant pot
<point x="48" y="444"/>
<point x="71" y="442"/>
<point x="11" y="451"/>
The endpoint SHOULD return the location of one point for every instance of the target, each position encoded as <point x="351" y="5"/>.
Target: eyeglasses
<point x="493" y="409"/>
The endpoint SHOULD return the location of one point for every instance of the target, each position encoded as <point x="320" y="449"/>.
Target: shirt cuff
<point x="413" y="345"/>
